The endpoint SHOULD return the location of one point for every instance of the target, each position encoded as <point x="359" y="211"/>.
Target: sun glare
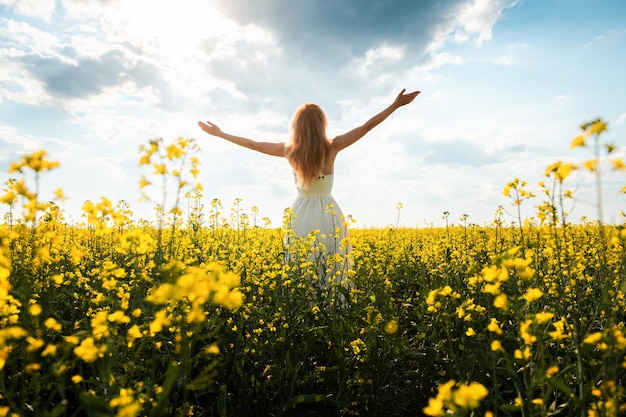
<point x="175" y="28"/>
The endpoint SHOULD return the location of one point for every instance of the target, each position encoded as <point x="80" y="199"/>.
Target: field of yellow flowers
<point x="205" y="315"/>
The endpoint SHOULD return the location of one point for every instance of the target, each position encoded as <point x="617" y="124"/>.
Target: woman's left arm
<point x="347" y="139"/>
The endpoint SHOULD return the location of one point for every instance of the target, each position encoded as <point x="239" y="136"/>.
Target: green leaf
<point x="171" y="377"/>
<point x="559" y="384"/>
<point x="94" y="404"/>
<point x="305" y="398"/>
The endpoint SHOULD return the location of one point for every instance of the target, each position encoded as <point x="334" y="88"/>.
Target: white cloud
<point x="16" y="144"/>
<point x="41" y="9"/>
<point x="559" y="102"/>
<point x="18" y="86"/>
<point x="439" y="60"/>
<point x="504" y="60"/>
<point x="473" y="19"/>
<point x="10" y="136"/>
<point x="478" y="18"/>
<point x="621" y="119"/>
<point x="26" y="37"/>
<point x="377" y="59"/>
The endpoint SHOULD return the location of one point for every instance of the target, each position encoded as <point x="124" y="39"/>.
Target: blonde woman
<point x="312" y="155"/>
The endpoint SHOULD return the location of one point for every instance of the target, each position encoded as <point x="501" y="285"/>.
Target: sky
<point x="504" y="86"/>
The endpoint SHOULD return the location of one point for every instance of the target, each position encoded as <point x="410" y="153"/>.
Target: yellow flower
<point x="559" y="332"/>
<point x="52" y="324"/>
<point x="160" y="321"/>
<point x="32" y="367"/>
<point x="125" y="398"/>
<point x="578" y="141"/>
<point x="497" y="346"/>
<point x="469" y="396"/>
<point x="551" y="371"/>
<point x="528" y="337"/>
<point x="391" y="327"/>
<point x="493" y="289"/>
<point x="470" y="332"/>
<point x="34" y="344"/>
<point x="494" y="326"/>
<point x="99" y="324"/>
<point x="133" y="333"/>
<point x="591" y="164"/>
<point x="213" y="349"/>
<point x="174" y="151"/>
<point x="160" y="169"/>
<point x="501" y="302"/>
<point x="593" y="338"/>
<point x="8" y="198"/>
<point x="532" y="294"/>
<point x="50" y="350"/>
<point x="564" y="171"/>
<point x="596" y="127"/>
<point x="143" y="182"/>
<point x="618" y="163"/>
<point x="552" y="168"/>
<point x="77" y="378"/>
<point x="88" y="351"/>
<point x="434" y="407"/>
<point x="34" y="310"/>
<point x="127" y="407"/>
<point x="118" y="317"/>
<point x="522" y="354"/>
<point x="58" y="193"/>
<point x="357" y="346"/>
<point x="493" y="273"/>
<point x="71" y="339"/>
<point x="544" y="317"/>
<point x="444" y="392"/>
<point x="445" y="291"/>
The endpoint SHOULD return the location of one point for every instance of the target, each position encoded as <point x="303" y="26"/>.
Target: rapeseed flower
<point x="544" y="317"/>
<point x="525" y="333"/>
<point x="34" y="344"/>
<point x="125" y="403"/>
<point x="160" y="321"/>
<point x="391" y="327"/>
<point x="551" y="371"/>
<point x="593" y="338"/>
<point x="501" y="301"/>
<point x="88" y="351"/>
<point x="450" y="400"/>
<point x="496" y="346"/>
<point x="532" y="294"/>
<point x="494" y="326"/>
<point x="469" y="396"/>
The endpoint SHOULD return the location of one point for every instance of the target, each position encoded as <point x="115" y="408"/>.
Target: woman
<point x="312" y="157"/>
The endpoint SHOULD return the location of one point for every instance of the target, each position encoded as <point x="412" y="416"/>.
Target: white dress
<point x="315" y="209"/>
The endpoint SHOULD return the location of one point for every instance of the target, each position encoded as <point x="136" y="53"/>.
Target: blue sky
<point x="505" y="84"/>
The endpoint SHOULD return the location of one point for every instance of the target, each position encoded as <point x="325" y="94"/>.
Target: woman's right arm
<point x="269" y="148"/>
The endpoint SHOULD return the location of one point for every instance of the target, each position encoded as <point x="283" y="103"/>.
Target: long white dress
<point x="315" y="209"/>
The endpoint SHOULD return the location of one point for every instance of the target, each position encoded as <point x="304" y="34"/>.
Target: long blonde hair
<point x="308" y="147"/>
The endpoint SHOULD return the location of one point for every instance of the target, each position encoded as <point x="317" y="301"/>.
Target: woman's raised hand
<point x="210" y="128"/>
<point x="404" y="99"/>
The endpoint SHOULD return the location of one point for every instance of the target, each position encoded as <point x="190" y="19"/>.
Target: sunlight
<point x="174" y="28"/>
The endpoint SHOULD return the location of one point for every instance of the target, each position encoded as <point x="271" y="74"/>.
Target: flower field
<point x="203" y="314"/>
